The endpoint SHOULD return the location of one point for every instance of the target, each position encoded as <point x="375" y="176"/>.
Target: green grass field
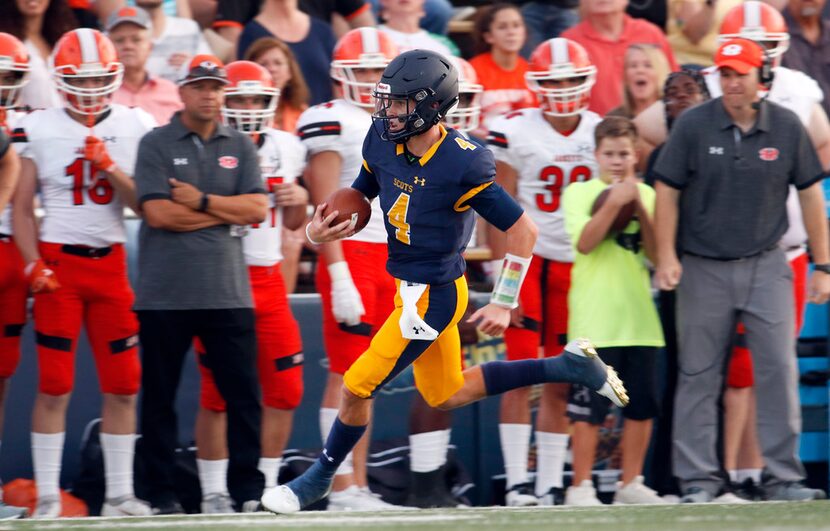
<point x="761" y="516"/>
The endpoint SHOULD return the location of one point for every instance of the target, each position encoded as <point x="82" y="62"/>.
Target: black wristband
<point x="824" y="268"/>
<point x="203" y="204"/>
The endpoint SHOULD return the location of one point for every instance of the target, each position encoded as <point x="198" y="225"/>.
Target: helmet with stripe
<point x="247" y="78"/>
<point x="358" y="51"/>
<point x="86" y="70"/>
<point x="757" y="22"/>
<point x="561" y="75"/>
<point x="466" y="115"/>
<point x="14" y="67"/>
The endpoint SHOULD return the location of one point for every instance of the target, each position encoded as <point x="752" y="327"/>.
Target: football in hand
<point x="351" y="205"/>
<point x="624" y="216"/>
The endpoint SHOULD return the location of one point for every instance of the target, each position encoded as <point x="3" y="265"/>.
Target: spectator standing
<point x="39" y="25"/>
<point x="693" y="28"/>
<point x="276" y="57"/>
<point x="606" y="31"/>
<point x="81" y="156"/>
<point x="311" y="40"/>
<point x="645" y="71"/>
<point x="809" y="43"/>
<point x="401" y="20"/>
<point x="547" y="19"/>
<point x="129" y="28"/>
<point x="500" y="34"/>
<point x="175" y="41"/>
<point x="197" y="181"/>
<point x="708" y="179"/>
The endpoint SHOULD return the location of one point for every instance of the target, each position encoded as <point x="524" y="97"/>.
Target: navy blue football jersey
<point x="428" y="202"/>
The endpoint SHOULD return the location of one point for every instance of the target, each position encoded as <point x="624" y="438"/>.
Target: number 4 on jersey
<point x="397" y="218"/>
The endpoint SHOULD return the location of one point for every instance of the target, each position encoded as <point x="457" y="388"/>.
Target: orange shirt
<point x="608" y="57"/>
<point x="288" y="118"/>
<point x="504" y="90"/>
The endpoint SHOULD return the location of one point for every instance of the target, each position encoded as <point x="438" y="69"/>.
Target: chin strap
<point x="509" y="283"/>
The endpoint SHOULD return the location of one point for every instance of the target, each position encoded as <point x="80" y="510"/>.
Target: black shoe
<point x="521" y="495"/>
<point x="428" y="490"/>
<point x="749" y="490"/>
<point x="169" y="507"/>
<point x="555" y="496"/>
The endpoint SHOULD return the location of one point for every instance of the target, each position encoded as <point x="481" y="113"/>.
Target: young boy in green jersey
<point x="610" y="302"/>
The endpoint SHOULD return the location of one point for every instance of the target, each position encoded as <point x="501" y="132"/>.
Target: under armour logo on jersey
<point x="584" y="148"/>
<point x="715" y="150"/>
<point x="110" y="139"/>
<point x="180" y="162"/>
<point x="326" y="455"/>
<point x="421" y="181"/>
<point x="418" y="330"/>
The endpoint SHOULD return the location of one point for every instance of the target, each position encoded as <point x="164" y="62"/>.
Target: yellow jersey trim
<point x="366" y="166"/>
<point x="459" y="205"/>
<point x="431" y="151"/>
<point x="398" y="149"/>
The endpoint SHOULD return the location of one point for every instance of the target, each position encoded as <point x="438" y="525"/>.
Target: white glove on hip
<point x="346" y="304"/>
<point x="412" y="326"/>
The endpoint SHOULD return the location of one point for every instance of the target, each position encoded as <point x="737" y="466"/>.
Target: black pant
<point x="230" y="353"/>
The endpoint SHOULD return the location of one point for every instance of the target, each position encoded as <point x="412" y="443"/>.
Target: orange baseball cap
<point x="205" y="66"/>
<point x="741" y="55"/>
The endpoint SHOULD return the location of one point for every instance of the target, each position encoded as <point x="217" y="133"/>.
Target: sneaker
<point x="251" y="506"/>
<point x="126" y="506"/>
<point x="10" y="512"/>
<point x="521" y="495"/>
<point x="696" y="495"/>
<point x="354" y="499"/>
<point x="49" y="507"/>
<point x="373" y="498"/>
<point x="793" y="491"/>
<point x="635" y="492"/>
<point x="217" y="503"/>
<point x="749" y="490"/>
<point x="613" y="388"/>
<point x="280" y="500"/>
<point x="583" y="494"/>
<point x="555" y="496"/>
<point x="428" y="490"/>
<point x="168" y="507"/>
<point x="729" y="497"/>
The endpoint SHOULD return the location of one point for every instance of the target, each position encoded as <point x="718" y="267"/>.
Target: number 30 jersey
<point x="546" y="162"/>
<point x="281" y="160"/>
<point x="80" y="203"/>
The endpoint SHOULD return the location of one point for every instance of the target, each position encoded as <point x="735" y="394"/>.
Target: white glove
<point x="412" y="326"/>
<point x="346" y="304"/>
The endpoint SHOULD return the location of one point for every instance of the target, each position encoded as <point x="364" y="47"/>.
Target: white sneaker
<point x="49" y="507"/>
<point x="521" y="495"/>
<point x="728" y="497"/>
<point x="217" y="503"/>
<point x="280" y="500"/>
<point x="582" y="495"/>
<point x="380" y="505"/>
<point x="353" y="499"/>
<point x="126" y="506"/>
<point x="635" y="492"/>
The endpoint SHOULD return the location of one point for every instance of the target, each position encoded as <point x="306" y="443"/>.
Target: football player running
<point x="81" y="157"/>
<point x="357" y="293"/>
<point x="539" y="152"/>
<point x="250" y="103"/>
<point x="429" y="181"/>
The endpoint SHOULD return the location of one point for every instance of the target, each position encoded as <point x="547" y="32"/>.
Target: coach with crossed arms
<point x="197" y="182"/>
<point x="723" y="179"/>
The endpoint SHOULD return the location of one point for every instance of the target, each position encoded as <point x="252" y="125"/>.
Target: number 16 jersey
<point x="546" y="162"/>
<point x="80" y="203"/>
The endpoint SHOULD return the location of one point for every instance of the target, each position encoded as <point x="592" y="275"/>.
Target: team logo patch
<point x="383" y="88"/>
<point x="768" y="154"/>
<point x="228" y="162"/>
<point x="732" y="50"/>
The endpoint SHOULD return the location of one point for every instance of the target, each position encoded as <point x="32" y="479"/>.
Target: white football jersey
<point x="81" y="207"/>
<point x="281" y="160"/>
<point x="799" y="93"/>
<point x="12" y="119"/>
<point x="546" y="162"/>
<point x="341" y="127"/>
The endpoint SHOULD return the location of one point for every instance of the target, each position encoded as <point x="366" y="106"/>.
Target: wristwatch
<point x="824" y="268"/>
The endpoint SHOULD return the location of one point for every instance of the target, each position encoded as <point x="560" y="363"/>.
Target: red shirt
<point x="608" y="57"/>
<point x="504" y="90"/>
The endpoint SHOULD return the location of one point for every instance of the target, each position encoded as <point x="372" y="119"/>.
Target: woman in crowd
<point x="646" y="68"/>
<point x="499" y="35"/>
<point x="39" y="24"/>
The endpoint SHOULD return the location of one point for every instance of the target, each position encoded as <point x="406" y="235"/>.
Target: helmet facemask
<point x="91" y="100"/>
<point x="352" y="76"/>
<point x="398" y="117"/>
<point x="563" y="101"/>
<point x="11" y="82"/>
<point x="465" y="116"/>
<point x="250" y="121"/>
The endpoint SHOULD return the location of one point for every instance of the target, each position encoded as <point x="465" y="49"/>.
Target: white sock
<point x="733" y="475"/>
<point x="270" y="468"/>
<point x="47" y="450"/>
<point x="119" y="451"/>
<point x="327" y="417"/>
<point x="446" y="442"/>
<point x="743" y="473"/>
<point x="213" y="476"/>
<point x="551" y="449"/>
<point x="427" y="451"/>
<point x="515" y="442"/>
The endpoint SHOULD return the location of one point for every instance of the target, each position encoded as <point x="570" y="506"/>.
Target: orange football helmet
<point x="561" y="60"/>
<point x="361" y="49"/>
<point x="14" y="67"/>
<point x="86" y="70"/>
<point x="250" y="79"/>
<point x="757" y="22"/>
<point x="466" y="115"/>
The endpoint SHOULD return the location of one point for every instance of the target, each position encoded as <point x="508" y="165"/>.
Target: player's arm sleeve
<point x="250" y="176"/>
<point x="366" y="182"/>
<point x="482" y="194"/>
<point x="21" y="142"/>
<point x="576" y="210"/>
<point x="498" y="142"/>
<point x="319" y="134"/>
<point x="806" y="169"/>
<point x="675" y="163"/>
<point x="151" y="172"/>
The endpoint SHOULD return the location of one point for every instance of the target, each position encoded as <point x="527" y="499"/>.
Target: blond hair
<point x="661" y="67"/>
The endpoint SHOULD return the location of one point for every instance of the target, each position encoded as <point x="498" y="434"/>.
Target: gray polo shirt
<point x="734" y="185"/>
<point x="202" y="269"/>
